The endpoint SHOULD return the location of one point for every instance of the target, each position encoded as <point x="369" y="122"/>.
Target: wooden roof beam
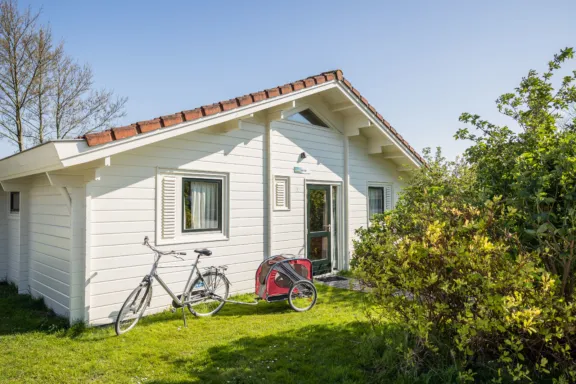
<point x="339" y="107"/>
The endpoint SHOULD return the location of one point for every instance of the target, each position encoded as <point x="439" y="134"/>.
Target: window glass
<point x="307" y="117"/>
<point x="375" y="201"/>
<point x="14" y="202"/>
<point x="319" y="210"/>
<point x="202" y="205"/>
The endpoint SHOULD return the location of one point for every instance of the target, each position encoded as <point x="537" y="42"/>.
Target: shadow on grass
<point x="310" y="354"/>
<point x="23" y="313"/>
<point x="342" y="298"/>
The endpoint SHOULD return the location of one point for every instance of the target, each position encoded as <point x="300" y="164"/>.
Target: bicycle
<point x="203" y="296"/>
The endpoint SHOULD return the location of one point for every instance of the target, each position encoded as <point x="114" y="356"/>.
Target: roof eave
<point x="27" y="163"/>
<point x="385" y="130"/>
<point x="83" y="153"/>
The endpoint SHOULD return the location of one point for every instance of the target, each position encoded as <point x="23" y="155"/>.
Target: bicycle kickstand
<point x="184" y="317"/>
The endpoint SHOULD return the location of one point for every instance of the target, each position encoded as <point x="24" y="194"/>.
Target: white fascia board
<point x="82" y="153"/>
<point x="385" y="131"/>
<point x="43" y="158"/>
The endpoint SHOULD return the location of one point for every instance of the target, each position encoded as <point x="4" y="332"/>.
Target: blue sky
<point x="420" y="63"/>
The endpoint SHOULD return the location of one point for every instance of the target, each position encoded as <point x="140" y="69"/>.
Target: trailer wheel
<point x="302" y="296"/>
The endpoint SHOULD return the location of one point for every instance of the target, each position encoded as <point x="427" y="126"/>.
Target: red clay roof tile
<point x="258" y="96"/>
<point x="93" y="139"/>
<point x="320" y="79"/>
<point x="98" y="138"/>
<point x="124" y="132"/>
<point x="193" y="114"/>
<point x="149" y="125"/>
<point x="272" y="92"/>
<point x="173" y="119"/>
<point x="211" y="109"/>
<point x="229" y="104"/>
<point x="309" y="82"/>
<point x="244" y="100"/>
<point x="285" y="89"/>
<point x="298" y="85"/>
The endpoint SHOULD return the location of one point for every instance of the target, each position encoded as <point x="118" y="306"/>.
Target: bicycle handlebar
<point x="171" y="253"/>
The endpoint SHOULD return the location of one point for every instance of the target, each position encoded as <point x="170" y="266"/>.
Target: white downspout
<point x="270" y="233"/>
<point x="346" y="205"/>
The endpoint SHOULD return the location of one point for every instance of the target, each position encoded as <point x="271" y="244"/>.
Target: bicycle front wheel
<point x="208" y="293"/>
<point x="133" y="308"/>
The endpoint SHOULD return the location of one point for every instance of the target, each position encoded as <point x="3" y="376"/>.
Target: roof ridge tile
<point x="145" y="126"/>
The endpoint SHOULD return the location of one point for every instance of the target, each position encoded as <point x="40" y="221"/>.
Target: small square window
<point x="14" y="202"/>
<point x="202" y="205"/>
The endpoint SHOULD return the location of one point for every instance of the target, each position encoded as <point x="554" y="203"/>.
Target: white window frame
<point x="288" y="189"/>
<point x="182" y="237"/>
<point x="378" y="185"/>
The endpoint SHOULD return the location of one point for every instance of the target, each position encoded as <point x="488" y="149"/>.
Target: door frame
<point x="340" y="225"/>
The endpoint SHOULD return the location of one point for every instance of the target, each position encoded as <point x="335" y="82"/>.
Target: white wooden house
<point x="292" y="169"/>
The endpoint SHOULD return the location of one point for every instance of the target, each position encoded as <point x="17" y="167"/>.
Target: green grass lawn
<point x="267" y="343"/>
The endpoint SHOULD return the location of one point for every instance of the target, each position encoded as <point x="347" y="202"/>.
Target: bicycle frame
<point x="183" y="299"/>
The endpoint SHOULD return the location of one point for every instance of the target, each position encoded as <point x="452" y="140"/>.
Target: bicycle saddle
<point x="203" y="251"/>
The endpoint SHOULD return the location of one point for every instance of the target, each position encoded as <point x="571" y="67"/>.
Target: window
<point x="192" y="206"/>
<point x="14" y="202"/>
<point x="307" y="117"/>
<point x="202" y="205"/>
<point x="281" y="193"/>
<point x="376" y="201"/>
<point x="379" y="199"/>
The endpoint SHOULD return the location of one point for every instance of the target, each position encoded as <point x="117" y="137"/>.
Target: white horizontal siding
<point x="13" y="235"/>
<point x="364" y="169"/>
<point x="49" y="247"/>
<point x="324" y="161"/>
<point x="123" y="205"/>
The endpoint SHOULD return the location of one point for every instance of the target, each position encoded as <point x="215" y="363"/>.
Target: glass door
<point x="319" y="227"/>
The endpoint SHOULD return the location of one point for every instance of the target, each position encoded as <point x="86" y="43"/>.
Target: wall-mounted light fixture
<point x="303" y="155"/>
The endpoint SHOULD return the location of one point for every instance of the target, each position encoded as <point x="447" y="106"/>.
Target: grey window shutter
<point x="388" y="203"/>
<point x="168" y="207"/>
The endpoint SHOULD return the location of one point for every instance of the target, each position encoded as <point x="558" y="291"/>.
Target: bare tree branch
<point x="44" y="94"/>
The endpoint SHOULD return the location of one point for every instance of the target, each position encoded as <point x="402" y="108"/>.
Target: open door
<point x="319" y="227"/>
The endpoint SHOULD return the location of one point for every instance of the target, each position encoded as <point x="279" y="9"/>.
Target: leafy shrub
<point x="534" y="170"/>
<point x="476" y="262"/>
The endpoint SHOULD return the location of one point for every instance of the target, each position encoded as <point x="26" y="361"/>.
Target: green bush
<point x="476" y="261"/>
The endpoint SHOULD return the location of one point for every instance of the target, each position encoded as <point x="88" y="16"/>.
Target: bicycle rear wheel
<point x="133" y="308"/>
<point x="208" y="293"/>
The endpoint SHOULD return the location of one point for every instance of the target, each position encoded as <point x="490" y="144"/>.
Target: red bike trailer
<point x="282" y="277"/>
